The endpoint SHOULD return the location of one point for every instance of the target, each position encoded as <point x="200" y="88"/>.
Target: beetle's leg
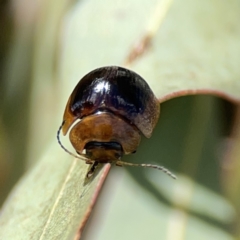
<point x="118" y="164"/>
<point x="89" y="161"/>
<point x="92" y="169"/>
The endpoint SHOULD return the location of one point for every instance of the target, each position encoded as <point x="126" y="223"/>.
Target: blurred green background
<point x="197" y="137"/>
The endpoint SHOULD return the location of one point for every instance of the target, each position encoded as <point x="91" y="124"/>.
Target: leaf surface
<point x="187" y="47"/>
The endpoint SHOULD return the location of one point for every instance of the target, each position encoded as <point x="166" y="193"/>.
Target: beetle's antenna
<point x="161" y="168"/>
<point x="60" y="143"/>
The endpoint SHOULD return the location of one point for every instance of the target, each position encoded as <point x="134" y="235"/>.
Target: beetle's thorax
<point x="104" y="136"/>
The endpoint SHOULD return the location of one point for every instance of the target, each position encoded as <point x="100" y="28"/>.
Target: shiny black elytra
<point x="115" y="106"/>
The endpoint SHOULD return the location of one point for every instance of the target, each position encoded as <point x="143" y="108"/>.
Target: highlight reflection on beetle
<point x="115" y="106"/>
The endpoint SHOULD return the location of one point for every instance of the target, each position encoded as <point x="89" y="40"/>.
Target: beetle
<point x="107" y="112"/>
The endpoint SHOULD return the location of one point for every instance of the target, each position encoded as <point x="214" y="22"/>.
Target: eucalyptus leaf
<point x="195" y="50"/>
<point x="194" y="47"/>
<point x="51" y="200"/>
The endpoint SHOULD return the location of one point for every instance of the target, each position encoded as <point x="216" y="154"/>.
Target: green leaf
<point x="51" y="200"/>
<point x="179" y="47"/>
<point x="195" y="50"/>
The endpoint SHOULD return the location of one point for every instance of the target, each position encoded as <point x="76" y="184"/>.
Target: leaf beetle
<point x="106" y="114"/>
